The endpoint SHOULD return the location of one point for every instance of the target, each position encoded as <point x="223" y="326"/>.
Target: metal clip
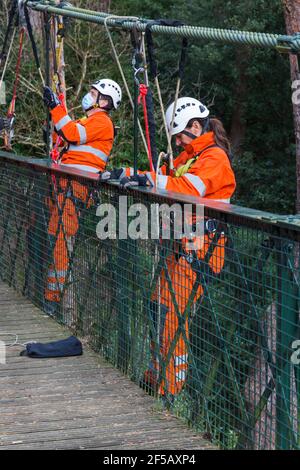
<point x="136" y="72"/>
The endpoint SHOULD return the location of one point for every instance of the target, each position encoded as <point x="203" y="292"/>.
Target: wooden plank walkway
<point x="74" y="403"/>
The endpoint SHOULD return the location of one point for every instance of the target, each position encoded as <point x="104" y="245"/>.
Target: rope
<point x="142" y="97"/>
<point x="57" y="80"/>
<point x="161" y="156"/>
<point x="179" y="79"/>
<point x="223" y="36"/>
<point x="11" y="110"/>
<point x="7" y="58"/>
<point x="16" y="341"/>
<point x="33" y="43"/>
<point x="149" y="106"/>
<point x="12" y="13"/>
<point x="154" y="74"/>
<point x="122" y="73"/>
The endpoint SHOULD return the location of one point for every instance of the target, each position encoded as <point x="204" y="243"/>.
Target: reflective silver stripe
<point x="65" y="120"/>
<point x="226" y="201"/>
<point x="197" y="183"/>
<point x="181" y="360"/>
<point x="89" y="149"/>
<point x="180" y="376"/>
<point x="57" y="273"/>
<point x="82" y="133"/>
<point x="81" y="167"/>
<point x="55" y="286"/>
<point x="149" y="176"/>
<point x="162" y="181"/>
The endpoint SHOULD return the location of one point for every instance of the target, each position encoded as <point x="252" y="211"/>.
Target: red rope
<point x="54" y="154"/>
<point x="142" y="97"/>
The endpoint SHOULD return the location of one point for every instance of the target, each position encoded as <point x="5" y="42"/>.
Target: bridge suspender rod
<point x="224" y="36"/>
<point x="122" y="73"/>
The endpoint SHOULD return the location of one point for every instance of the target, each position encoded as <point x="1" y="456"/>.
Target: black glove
<point x="133" y="181"/>
<point x="114" y="174"/>
<point x="50" y="99"/>
<point x="4" y="124"/>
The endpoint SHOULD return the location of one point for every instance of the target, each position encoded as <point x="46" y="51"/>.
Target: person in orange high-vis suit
<point x="203" y="170"/>
<point x="88" y="144"/>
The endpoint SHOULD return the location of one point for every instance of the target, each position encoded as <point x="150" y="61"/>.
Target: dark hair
<point x="216" y="126"/>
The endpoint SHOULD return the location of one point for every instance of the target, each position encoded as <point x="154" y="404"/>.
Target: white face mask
<point x="88" y="102"/>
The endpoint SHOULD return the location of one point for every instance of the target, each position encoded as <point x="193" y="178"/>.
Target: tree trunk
<point x="292" y="20"/>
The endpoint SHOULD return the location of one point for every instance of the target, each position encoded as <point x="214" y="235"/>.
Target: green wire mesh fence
<point x="211" y="332"/>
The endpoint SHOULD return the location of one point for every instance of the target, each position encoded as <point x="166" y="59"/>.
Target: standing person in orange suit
<point x="202" y="169"/>
<point x="88" y="144"/>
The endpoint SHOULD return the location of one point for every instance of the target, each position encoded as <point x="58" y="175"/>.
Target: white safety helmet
<point x="186" y="109"/>
<point x="110" y="88"/>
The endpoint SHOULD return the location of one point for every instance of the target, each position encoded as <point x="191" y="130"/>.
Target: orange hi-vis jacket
<point x="89" y="139"/>
<point x="209" y="176"/>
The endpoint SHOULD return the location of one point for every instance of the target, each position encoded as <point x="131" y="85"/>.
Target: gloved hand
<point x="4" y="124"/>
<point x="115" y="174"/>
<point x="50" y="99"/>
<point x="134" y="181"/>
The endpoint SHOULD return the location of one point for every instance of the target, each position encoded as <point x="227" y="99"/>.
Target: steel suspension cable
<point x="225" y="36"/>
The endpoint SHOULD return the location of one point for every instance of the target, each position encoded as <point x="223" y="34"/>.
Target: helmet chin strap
<point x="97" y="104"/>
<point x="189" y="134"/>
<point x="204" y="130"/>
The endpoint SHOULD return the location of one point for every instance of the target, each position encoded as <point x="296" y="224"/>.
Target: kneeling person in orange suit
<point x="89" y="142"/>
<point x="202" y="169"/>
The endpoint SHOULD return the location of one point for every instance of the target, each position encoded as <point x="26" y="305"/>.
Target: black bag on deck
<point x="67" y="347"/>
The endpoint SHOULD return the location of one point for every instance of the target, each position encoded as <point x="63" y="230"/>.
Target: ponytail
<point x="221" y="137"/>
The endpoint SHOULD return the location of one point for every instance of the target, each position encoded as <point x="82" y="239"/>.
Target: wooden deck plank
<point x="74" y="403"/>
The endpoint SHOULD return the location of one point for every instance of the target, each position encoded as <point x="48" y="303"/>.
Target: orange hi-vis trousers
<point x="63" y="225"/>
<point x="171" y="364"/>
